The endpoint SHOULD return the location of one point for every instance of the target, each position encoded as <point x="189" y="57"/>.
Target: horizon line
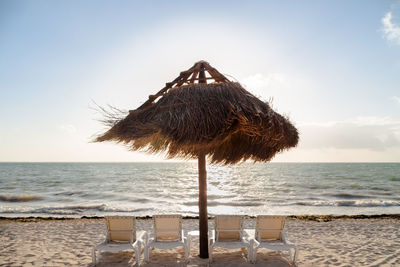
<point x="193" y="161"/>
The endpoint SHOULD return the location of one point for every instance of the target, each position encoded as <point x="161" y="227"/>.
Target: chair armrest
<point x="137" y="243"/>
<point x="287" y="242"/>
<point x="257" y="243"/>
<point x="143" y="237"/>
<point x="283" y="237"/>
<point x="211" y="237"/>
<point x="183" y="234"/>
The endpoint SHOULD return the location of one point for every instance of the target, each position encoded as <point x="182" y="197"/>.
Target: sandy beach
<point x="337" y="242"/>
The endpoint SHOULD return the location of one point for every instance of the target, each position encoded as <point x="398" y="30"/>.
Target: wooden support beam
<point x="200" y="68"/>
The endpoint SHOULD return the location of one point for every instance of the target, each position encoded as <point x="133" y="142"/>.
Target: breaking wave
<point x="19" y="198"/>
<point x="73" y="210"/>
<point x="349" y="203"/>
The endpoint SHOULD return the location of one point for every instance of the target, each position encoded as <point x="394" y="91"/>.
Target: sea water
<point x="140" y="189"/>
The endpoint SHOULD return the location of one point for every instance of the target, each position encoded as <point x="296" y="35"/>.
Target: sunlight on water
<point x="77" y="189"/>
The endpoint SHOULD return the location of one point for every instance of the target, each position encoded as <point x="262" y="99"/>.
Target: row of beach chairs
<point x="168" y="233"/>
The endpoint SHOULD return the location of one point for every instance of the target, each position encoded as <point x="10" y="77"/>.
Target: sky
<point x="332" y="67"/>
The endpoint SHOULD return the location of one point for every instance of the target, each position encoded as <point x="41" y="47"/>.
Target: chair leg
<point x="210" y="249"/>
<point x="146" y="254"/>
<point x="189" y="245"/>
<point x="296" y="254"/>
<point x="94" y="256"/>
<point x="186" y="254"/>
<point x="187" y="249"/>
<point x="250" y="251"/>
<point x="99" y="256"/>
<point x="139" y="252"/>
<point x="249" y="257"/>
<point x="255" y="254"/>
<point x="291" y="258"/>
<point x="137" y="255"/>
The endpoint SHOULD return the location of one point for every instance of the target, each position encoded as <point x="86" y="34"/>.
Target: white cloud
<point x="264" y="86"/>
<point x="370" y="133"/>
<point x="288" y="92"/>
<point x="396" y="98"/>
<point x="258" y="80"/>
<point x="69" y="128"/>
<point x="391" y="30"/>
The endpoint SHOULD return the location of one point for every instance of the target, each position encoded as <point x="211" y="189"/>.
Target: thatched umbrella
<point x="203" y="113"/>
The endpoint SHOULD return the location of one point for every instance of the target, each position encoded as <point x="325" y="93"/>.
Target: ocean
<point x="144" y="189"/>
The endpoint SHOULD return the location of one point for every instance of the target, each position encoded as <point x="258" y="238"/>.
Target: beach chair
<point x="167" y="234"/>
<point x="270" y="234"/>
<point x="121" y="235"/>
<point x="228" y="233"/>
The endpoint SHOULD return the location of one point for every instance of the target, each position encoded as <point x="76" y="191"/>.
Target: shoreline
<point x="316" y="218"/>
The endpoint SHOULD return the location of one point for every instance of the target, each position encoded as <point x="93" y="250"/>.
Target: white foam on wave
<point x="350" y="203"/>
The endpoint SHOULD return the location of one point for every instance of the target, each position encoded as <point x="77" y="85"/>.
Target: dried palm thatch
<point x="221" y="118"/>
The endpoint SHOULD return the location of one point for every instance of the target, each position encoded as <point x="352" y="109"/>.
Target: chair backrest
<point x="121" y="228"/>
<point x="167" y="228"/>
<point x="269" y="227"/>
<point x="228" y="228"/>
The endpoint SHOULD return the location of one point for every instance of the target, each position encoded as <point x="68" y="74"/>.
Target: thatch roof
<point x="221" y="117"/>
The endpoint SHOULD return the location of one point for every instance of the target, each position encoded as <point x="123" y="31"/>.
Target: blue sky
<point x="332" y="66"/>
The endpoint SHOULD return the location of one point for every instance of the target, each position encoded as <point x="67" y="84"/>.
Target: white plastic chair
<point x="167" y="234"/>
<point x="228" y="233"/>
<point x="121" y="235"/>
<point x="270" y="234"/>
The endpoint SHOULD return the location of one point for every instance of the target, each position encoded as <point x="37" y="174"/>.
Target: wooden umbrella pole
<point x="203" y="216"/>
